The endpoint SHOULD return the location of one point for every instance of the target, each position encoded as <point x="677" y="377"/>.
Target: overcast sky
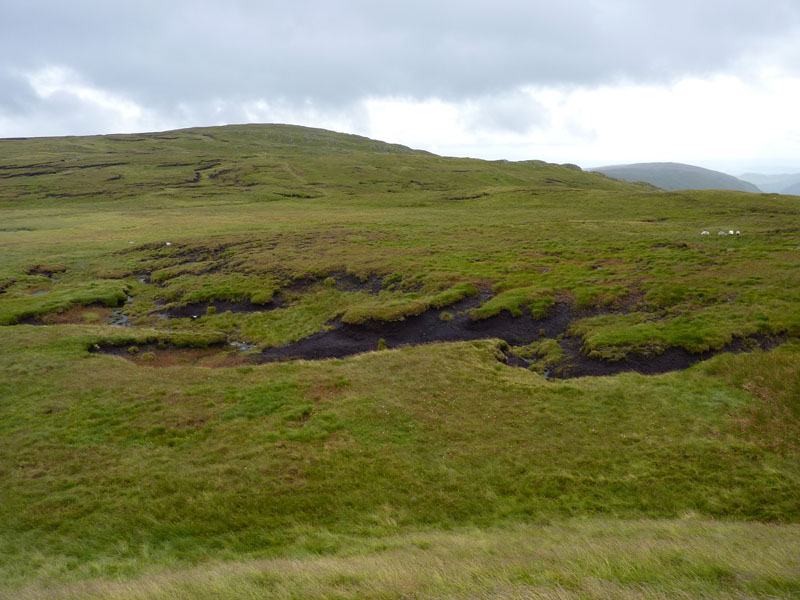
<point x="709" y="82"/>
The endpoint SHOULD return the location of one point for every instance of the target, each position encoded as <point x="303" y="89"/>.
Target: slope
<point x="267" y="161"/>
<point x="677" y="176"/>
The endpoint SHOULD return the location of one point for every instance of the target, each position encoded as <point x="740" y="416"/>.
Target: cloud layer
<point x="94" y="66"/>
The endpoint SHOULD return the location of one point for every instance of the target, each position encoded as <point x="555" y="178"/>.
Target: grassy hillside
<point x="677" y="176"/>
<point x="156" y="441"/>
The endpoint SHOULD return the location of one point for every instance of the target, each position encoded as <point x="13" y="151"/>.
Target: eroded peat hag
<point x="281" y="298"/>
<point x="196" y="310"/>
<point x="77" y="315"/>
<point x="340" y="280"/>
<point x="577" y="364"/>
<point x="451" y="324"/>
<point x="454" y="323"/>
<point x="48" y="271"/>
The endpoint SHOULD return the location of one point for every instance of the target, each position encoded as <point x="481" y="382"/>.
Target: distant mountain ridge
<point x="677" y="176"/>
<point x="792" y="190"/>
<point x="784" y="183"/>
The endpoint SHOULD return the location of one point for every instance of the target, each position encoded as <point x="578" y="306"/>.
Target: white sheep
<point x="169" y="243"/>
<point x="722" y="233"/>
<point x="704" y="233"/>
<point x="738" y="232"/>
<point x="730" y="232"/>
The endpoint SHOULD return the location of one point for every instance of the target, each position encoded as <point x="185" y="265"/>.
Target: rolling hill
<point x="677" y="176"/>
<point x="274" y="361"/>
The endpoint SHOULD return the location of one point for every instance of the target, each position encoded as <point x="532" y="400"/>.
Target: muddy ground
<point x="339" y="280"/>
<point x="450" y="324"/>
<point x="199" y="309"/>
<point x="78" y="315"/>
<point x="576" y="364"/>
<point x="347" y="339"/>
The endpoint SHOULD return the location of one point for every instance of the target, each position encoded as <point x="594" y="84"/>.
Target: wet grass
<point x="574" y="559"/>
<point x="112" y="470"/>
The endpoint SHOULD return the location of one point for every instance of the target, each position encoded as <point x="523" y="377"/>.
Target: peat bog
<point x="453" y="323"/>
<point x="578" y="364"/>
<point x="198" y="309"/>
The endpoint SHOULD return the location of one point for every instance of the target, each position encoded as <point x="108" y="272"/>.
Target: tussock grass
<point x="20" y="304"/>
<point x="547" y="353"/>
<point x="576" y="559"/>
<point x="409" y="305"/>
<point x="122" y="463"/>
<point x="512" y="300"/>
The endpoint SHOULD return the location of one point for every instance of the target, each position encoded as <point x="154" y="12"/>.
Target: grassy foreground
<point x="180" y="469"/>
<point x="573" y="559"/>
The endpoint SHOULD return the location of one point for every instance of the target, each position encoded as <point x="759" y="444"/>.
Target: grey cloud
<point x="340" y="50"/>
<point x="515" y="112"/>
<point x="23" y="113"/>
<point x="164" y="54"/>
<point x="16" y="98"/>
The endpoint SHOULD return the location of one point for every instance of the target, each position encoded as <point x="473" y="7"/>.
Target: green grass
<point x="233" y="462"/>
<point x="19" y="303"/>
<point x="139" y="480"/>
<point x="544" y="354"/>
<point x="573" y="559"/>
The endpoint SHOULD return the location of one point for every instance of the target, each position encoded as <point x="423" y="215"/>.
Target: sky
<point x="714" y="83"/>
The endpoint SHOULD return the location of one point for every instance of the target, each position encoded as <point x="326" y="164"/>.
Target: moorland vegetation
<point x="268" y="360"/>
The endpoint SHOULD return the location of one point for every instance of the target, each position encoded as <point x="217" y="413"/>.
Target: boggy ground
<point x="198" y="309"/>
<point x="458" y="324"/>
<point x="339" y="280"/>
<point x="578" y="364"/>
<point x="111" y="471"/>
<point x="77" y="315"/>
<point x="452" y="323"/>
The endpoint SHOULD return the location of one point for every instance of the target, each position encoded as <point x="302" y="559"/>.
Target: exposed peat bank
<point x="453" y="323"/>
